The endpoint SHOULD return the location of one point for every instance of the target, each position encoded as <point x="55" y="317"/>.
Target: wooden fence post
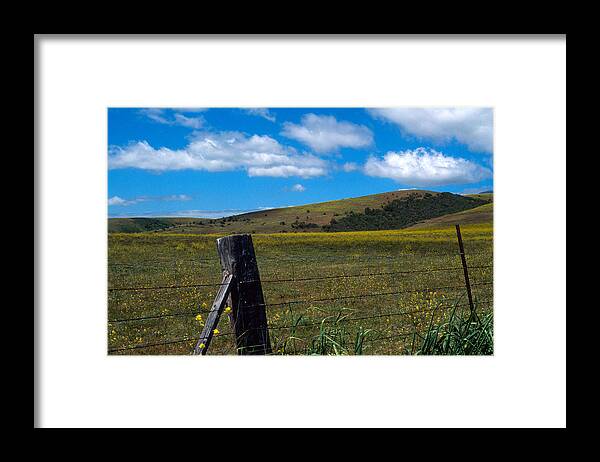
<point x="246" y="299"/>
<point x="212" y="320"/>
<point x="465" y="269"/>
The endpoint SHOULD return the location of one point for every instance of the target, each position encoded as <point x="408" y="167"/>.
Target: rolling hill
<point x="390" y="210"/>
<point x="477" y="215"/>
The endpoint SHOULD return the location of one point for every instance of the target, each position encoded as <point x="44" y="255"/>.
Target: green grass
<point x="462" y="333"/>
<point x="313" y="327"/>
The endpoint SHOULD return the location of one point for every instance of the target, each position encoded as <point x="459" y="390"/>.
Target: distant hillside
<point x="306" y="218"/>
<point x="484" y="214"/>
<point x="137" y="225"/>
<point x="401" y="213"/>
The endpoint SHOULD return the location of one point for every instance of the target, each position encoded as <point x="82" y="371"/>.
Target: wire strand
<point x="195" y="313"/>
<point x="346" y="297"/>
<point x="384" y="315"/>
<point x="148" y="345"/>
<point x="343" y="276"/>
<point x="315" y="278"/>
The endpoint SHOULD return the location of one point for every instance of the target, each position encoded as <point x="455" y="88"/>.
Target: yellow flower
<point x="202" y="345"/>
<point x="227" y="310"/>
<point x="199" y="318"/>
<point x="216" y="331"/>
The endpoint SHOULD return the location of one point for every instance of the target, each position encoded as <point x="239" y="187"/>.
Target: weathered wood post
<point x="246" y="299"/>
<point x="213" y="316"/>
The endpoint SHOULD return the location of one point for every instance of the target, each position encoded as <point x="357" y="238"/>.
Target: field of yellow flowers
<point x="379" y="315"/>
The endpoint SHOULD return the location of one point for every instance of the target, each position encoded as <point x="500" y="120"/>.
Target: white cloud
<point x="155" y="114"/>
<point x="191" y="122"/>
<point x="350" y="167"/>
<point x="298" y="188"/>
<point x="470" y="126"/>
<point x="325" y="134"/>
<point x="285" y="171"/>
<point x="160" y="116"/>
<point x="174" y="197"/>
<point x="116" y="200"/>
<point x="218" y="152"/>
<point x="261" y="112"/>
<point x="425" y="167"/>
<point x="182" y="213"/>
<point x="476" y="190"/>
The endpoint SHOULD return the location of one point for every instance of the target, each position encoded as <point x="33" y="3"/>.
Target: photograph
<point x="300" y="231"/>
<point x="356" y="231"/>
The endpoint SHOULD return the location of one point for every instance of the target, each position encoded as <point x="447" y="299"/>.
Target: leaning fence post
<point x="213" y="316"/>
<point x="247" y="302"/>
<point x="465" y="269"/>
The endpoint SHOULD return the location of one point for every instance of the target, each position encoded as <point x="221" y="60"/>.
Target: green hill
<point x="477" y="215"/>
<point x="138" y="225"/>
<point x="401" y="213"/>
<point x="390" y="210"/>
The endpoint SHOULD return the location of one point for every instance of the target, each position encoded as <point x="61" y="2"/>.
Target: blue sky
<point x="215" y="162"/>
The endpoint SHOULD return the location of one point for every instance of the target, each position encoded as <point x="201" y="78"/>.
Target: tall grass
<point x="464" y="333"/>
<point x="461" y="333"/>
<point x="334" y="338"/>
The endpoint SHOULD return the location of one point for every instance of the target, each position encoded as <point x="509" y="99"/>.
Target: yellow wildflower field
<point x="379" y="286"/>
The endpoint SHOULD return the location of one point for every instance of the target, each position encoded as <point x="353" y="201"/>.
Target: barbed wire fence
<point x="241" y="290"/>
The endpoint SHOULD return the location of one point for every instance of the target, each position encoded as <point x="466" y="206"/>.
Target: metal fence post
<point x="465" y="268"/>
